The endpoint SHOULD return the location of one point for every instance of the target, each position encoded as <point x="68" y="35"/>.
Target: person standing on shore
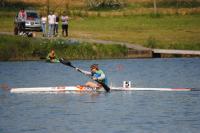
<point x="56" y="25"/>
<point x="44" y="22"/>
<point x="22" y="19"/>
<point x="51" y="21"/>
<point x="64" y="19"/>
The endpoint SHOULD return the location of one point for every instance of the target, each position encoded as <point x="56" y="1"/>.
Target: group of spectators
<point x="52" y="21"/>
<point x="53" y="24"/>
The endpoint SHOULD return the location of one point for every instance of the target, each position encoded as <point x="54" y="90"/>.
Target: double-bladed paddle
<point x="68" y="63"/>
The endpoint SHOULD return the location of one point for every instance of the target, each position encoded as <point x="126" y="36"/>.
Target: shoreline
<point x="19" y="48"/>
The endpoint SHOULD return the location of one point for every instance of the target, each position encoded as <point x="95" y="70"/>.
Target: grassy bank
<point x="176" y="26"/>
<point x="21" y="48"/>
<point x="167" y="31"/>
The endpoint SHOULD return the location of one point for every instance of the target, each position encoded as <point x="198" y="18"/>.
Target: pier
<point x="157" y="53"/>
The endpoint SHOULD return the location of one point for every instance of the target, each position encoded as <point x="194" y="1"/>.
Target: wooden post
<point x="177" y="6"/>
<point x="155" y="7"/>
<point x="67" y="5"/>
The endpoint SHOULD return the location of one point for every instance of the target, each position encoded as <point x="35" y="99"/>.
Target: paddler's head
<point x="52" y="51"/>
<point x="94" y="67"/>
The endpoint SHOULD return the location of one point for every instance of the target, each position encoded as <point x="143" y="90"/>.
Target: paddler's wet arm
<point x="47" y="57"/>
<point x="83" y="71"/>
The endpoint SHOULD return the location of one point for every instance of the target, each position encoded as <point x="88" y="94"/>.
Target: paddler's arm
<point x="48" y="58"/>
<point x="83" y="71"/>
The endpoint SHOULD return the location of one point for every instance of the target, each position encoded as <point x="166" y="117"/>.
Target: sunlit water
<point x="115" y="112"/>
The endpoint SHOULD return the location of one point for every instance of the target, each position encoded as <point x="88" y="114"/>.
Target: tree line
<point x="121" y="3"/>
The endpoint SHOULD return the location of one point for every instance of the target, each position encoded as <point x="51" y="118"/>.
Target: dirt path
<point x="6" y="33"/>
<point x="129" y="45"/>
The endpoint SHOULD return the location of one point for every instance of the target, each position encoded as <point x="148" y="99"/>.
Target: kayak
<point x="53" y="61"/>
<point x="89" y="89"/>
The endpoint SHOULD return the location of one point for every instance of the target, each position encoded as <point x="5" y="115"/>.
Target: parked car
<point x="32" y="23"/>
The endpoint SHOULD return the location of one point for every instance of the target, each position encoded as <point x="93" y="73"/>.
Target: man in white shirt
<point x="64" y="19"/>
<point x="51" y="20"/>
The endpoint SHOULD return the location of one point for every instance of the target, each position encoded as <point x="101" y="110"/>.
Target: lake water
<point x="115" y="112"/>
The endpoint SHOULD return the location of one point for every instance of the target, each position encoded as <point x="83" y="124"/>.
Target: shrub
<point x="19" y="48"/>
<point x="105" y="4"/>
<point x="151" y="42"/>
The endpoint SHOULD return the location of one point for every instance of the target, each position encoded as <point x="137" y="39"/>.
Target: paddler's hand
<point x="77" y="69"/>
<point x="94" y="78"/>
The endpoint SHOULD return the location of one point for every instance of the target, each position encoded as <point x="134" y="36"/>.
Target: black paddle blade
<point x="66" y="62"/>
<point x="104" y="86"/>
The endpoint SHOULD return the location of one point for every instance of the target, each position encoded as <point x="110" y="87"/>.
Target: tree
<point x="105" y="3"/>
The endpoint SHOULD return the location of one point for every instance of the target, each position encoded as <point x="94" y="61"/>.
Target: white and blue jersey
<point x="100" y="76"/>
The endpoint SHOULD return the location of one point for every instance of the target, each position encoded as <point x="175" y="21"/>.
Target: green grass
<point x="7" y="24"/>
<point x="167" y="30"/>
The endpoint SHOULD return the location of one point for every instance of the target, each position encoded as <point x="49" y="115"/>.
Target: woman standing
<point x="44" y="23"/>
<point x="22" y="16"/>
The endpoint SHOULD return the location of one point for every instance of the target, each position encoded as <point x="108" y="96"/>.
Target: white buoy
<point x="126" y="84"/>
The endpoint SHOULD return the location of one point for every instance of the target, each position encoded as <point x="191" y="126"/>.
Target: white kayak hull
<point x="79" y="89"/>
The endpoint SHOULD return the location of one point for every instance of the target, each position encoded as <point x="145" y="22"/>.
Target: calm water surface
<point x="115" y="112"/>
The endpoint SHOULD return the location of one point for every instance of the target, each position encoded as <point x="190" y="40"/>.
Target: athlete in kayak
<point x="96" y="74"/>
<point x="51" y="57"/>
